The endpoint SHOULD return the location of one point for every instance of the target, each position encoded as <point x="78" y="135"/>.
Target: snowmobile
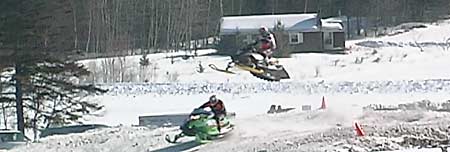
<point x="248" y="59"/>
<point x="203" y="127"/>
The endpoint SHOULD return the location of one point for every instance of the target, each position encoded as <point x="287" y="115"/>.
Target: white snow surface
<point x="391" y="72"/>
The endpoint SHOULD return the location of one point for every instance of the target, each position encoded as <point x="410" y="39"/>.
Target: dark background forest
<point x="93" y="27"/>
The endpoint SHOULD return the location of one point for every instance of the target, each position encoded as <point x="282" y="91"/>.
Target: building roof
<point x="290" y="22"/>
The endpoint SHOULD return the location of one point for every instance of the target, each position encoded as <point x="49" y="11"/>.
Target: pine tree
<point x="144" y="61"/>
<point x="35" y="33"/>
<point x="51" y="95"/>
<point x="53" y="98"/>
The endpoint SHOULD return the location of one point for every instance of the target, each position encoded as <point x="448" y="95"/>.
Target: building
<point x="294" y="33"/>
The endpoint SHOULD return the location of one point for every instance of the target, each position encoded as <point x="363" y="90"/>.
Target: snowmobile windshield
<point x="194" y="117"/>
<point x="202" y="111"/>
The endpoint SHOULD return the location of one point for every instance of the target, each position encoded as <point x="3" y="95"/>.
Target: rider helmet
<point x="213" y="99"/>
<point x="263" y="30"/>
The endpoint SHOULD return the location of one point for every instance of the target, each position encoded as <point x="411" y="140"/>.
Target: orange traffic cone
<point x="323" y="106"/>
<point x="359" y="130"/>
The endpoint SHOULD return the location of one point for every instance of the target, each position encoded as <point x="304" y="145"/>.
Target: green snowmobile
<point x="203" y="127"/>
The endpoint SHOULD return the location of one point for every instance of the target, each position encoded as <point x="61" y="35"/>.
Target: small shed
<point x="294" y="33"/>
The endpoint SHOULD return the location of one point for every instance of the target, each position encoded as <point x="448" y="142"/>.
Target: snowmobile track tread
<point x="264" y="78"/>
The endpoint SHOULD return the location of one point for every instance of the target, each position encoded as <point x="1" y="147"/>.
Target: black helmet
<point x="263" y="30"/>
<point x="213" y="99"/>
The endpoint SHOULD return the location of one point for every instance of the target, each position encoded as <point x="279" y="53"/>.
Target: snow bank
<point x="307" y="87"/>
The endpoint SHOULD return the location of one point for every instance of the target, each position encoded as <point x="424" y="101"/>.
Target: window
<point x="295" y="38"/>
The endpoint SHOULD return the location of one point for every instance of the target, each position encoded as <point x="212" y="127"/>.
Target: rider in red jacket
<point x="267" y="43"/>
<point x="218" y="108"/>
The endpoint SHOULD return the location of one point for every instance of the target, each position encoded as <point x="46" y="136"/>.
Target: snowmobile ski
<point x="226" y="130"/>
<point x="214" y="67"/>
<point x="174" y="140"/>
<point x="250" y="69"/>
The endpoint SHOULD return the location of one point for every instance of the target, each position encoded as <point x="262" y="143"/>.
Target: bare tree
<point x="89" y="31"/>
<point x="74" y="13"/>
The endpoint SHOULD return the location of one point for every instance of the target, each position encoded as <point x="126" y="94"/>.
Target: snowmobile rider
<point x="218" y="108"/>
<point x="267" y="43"/>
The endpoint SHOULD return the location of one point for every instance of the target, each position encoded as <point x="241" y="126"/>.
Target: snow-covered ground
<point x="391" y="70"/>
<point x="370" y="59"/>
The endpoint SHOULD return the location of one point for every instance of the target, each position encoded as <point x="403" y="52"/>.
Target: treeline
<point x="117" y="25"/>
<point x="108" y="26"/>
<point x="407" y="10"/>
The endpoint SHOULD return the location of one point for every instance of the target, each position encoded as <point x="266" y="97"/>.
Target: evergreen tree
<point x="35" y="35"/>
<point x="54" y="98"/>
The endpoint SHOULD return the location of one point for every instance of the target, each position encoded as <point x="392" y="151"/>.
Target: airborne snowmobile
<point x="202" y="126"/>
<point x="248" y="59"/>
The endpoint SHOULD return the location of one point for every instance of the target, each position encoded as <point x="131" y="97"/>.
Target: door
<point x="328" y="40"/>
